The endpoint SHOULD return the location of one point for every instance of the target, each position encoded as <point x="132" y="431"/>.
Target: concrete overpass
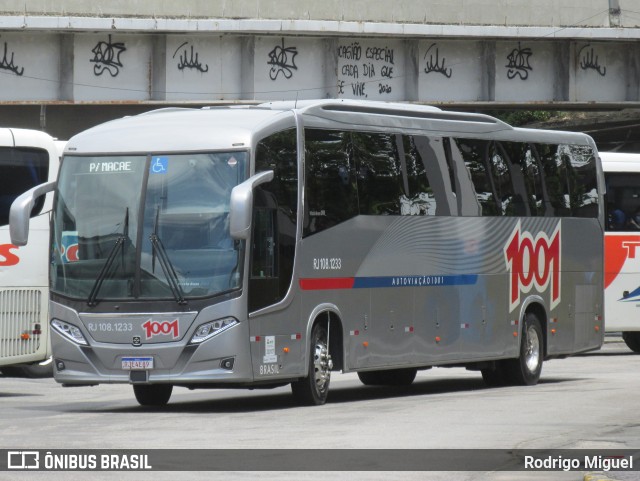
<point x="69" y="64"/>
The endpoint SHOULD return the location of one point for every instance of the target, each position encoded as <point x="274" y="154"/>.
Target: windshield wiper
<point x="165" y="263"/>
<point x="167" y="268"/>
<point x="91" y="300"/>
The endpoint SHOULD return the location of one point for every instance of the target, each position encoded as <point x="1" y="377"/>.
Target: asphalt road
<point x="583" y="402"/>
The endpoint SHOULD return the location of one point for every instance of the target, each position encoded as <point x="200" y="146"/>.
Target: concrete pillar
<point x="488" y="86"/>
<point x="158" y="81"/>
<point x="65" y="90"/>
<point x="562" y="64"/>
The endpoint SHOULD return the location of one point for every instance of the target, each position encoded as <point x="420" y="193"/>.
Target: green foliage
<point x="518" y="118"/>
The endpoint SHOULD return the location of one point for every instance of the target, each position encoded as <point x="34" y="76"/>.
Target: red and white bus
<point x="27" y="158"/>
<point x="622" y="246"/>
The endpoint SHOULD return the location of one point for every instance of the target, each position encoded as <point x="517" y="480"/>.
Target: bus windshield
<point x="147" y="226"/>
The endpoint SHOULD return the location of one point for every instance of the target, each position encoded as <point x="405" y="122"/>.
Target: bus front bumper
<point x="222" y="359"/>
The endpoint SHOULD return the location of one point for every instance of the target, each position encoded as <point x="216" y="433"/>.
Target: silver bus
<point x="259" y="246"/>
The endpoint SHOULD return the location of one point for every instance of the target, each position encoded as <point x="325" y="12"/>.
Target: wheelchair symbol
<point x="159" y="165"/>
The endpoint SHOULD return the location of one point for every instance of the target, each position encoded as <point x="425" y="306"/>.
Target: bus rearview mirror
<point x="20" y="212"/>
<point x="241" y="206"/>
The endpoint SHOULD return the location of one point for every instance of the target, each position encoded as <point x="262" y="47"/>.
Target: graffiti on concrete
<point x="106" y="56"/>
<point x="280" y="61"/>
<point x="189" y="60"/>
<point x="360" y="68"/>
<point x="589" y="60"/>
<point x="7" y="63"/>
<point x="518" y="65"/>
<point x="434" y="64"/>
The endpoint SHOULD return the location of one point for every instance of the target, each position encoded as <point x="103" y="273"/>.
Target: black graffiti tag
<point x="519" y="63"/>
<point x="590" y="61"/>
<point x="192" y="62"/>
<point x="434" y="65"/>
<point x="7" y="64"/>
<point x="107" y="57"/>
<point x="280" y="63"/>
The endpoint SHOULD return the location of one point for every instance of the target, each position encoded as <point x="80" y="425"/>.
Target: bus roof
<point x="620" y="162"/>
<point x="11" y="137"/>
<point x="178" y="129"/>
<point x="235" y="127"/>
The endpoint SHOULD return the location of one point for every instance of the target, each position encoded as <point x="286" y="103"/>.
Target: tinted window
<point x="379" y="173"/>
<point x="20" y="170"/>
<point x="274" y="220"/>
<point x="351" y="173"/>
<point x="623" y="201"/>
<point x="490" y="175"/>
<point x="330" y="177"/>
<point x="571" y="179"/>
<point x="427" y="172"/>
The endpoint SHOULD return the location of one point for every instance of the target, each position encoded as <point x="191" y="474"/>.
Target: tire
<point x="152" y="394"/>
<point x="314" y="389"/>
<point x="526" y="369"/>
<point x="632" y="340"/>
<point x="390" y="377"/>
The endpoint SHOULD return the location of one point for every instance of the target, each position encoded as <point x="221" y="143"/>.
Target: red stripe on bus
<point x="317" y="284"/>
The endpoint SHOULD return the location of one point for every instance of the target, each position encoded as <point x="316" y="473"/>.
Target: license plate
<point x="137" y="363"/>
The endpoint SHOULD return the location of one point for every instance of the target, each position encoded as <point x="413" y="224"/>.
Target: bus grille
<point x="19" y="313"/>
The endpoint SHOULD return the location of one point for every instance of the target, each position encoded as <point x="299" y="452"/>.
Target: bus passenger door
<point x="263" y="271"/>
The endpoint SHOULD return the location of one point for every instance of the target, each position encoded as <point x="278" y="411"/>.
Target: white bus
<point x="27" y="158"/>
<point x="260" y="246"/>
<point x="622" y="238"/>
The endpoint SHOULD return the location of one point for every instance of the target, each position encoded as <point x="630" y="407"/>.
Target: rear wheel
<point x="632" y="340"/>
<point x="152" y="394"/>
<point x="314" y="389"/>
<point x="390" y="377"/>
<point x="525" y="370"/>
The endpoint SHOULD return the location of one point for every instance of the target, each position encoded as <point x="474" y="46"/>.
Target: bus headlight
<point x="69" y="331"/>
<point x="210" y="329"/>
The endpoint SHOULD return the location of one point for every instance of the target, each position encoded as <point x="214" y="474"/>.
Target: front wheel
<point x="313" y="389"/>
<point x="152" y="394"/>
<point x="632" y="340"/>
<point x="525" y="370"/>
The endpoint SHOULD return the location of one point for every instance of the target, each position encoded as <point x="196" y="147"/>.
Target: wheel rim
<point x="532" y="350"/>
<point x="322" y="366"/>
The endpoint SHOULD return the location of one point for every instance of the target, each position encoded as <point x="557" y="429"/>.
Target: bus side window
<point x="622" y="200"/>
<point x="430" y="192"/>
<point x="570" y="172"/>
<point x="379" y="173"/>
<point x="489" y="174"/>
<point x="468" y="203"/>
<point x="555" y="176"/>
<point x="537" y="181"/>
<point x="581" y="165"/>
<point x="330" y="180"/>
<point x="514" y="154"/>
<point x="22" y="169"/>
